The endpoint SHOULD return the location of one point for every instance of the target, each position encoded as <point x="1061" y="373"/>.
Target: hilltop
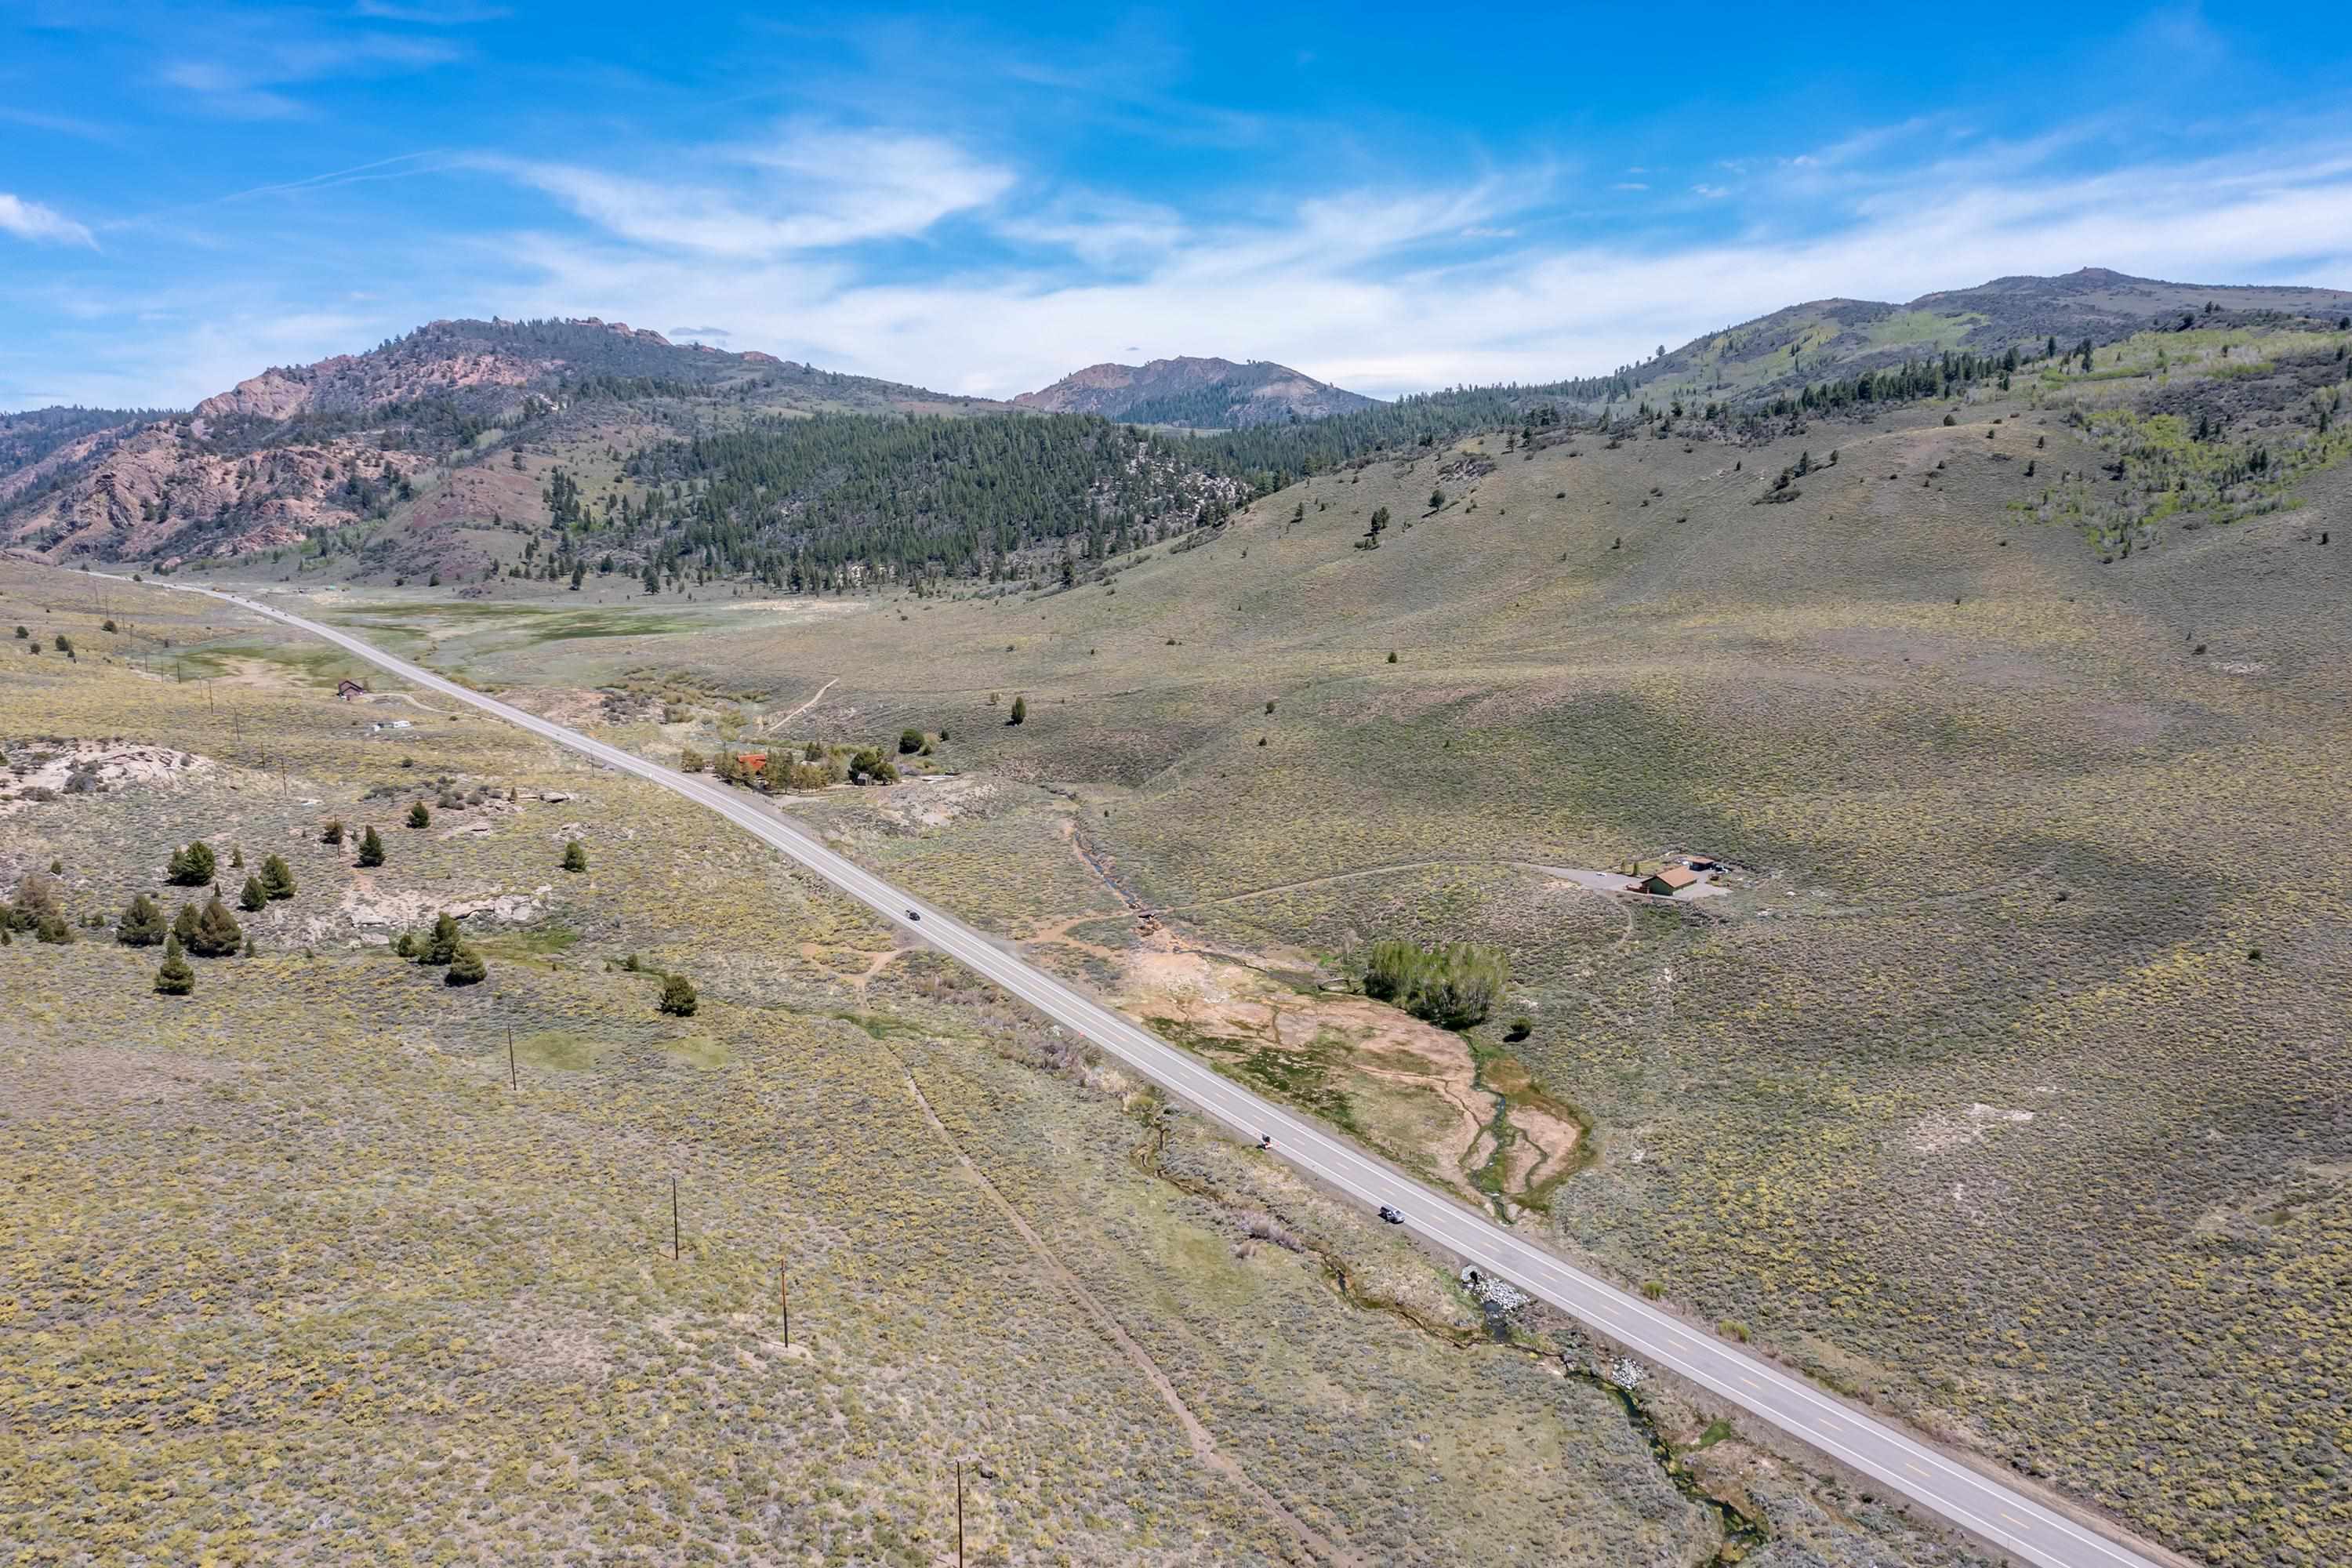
<point x="1802" y="343"/>
<point x="1200" y="393"/>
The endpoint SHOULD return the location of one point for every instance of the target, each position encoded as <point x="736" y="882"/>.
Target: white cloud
<point x="190" y="343"/>
<point x="809" y="189"/>
<point x="1373" y="289"/>
<point x="457" y="14"/>
<point x="242" y="84"/>
<point x="1101" y="230"/>
<point x="1385" y="290"/>
<point x="31" y="220"/>
<point x="228" y="92"/>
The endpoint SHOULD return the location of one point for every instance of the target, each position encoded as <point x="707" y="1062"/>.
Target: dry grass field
<point x="295" y="1271"/>
<point x="2007" y="1087"/>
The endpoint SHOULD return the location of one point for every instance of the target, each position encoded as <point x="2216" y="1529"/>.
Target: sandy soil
<point x="112" y="766"/>
<point x="1385" y="1049"/>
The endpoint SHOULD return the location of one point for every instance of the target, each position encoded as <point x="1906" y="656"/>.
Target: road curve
<point x="1998" y="1514"/>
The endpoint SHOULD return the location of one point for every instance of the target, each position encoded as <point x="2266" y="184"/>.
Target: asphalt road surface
<point x="1978" y="1503"/>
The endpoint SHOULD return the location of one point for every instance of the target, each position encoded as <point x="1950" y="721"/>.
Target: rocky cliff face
<point x="153" y="495"/>
<point x="301" y="448"/>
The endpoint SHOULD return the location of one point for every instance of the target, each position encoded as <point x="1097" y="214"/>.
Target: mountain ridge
<point x="297" y="449"/>
<point x="345" y="443"/>
<point x="1785" y="348"/>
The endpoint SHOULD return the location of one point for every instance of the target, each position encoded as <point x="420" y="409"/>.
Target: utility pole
<point x="958" y="1513"/>
<point x="785" y="1300"/>
<point x="673" y="1219"/>
<point x="514" y="1080"/>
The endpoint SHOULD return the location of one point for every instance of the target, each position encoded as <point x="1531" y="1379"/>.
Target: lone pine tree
<point x="174" y="978"/>
<point x="215" y="933"/>
<point x="143" y="924"/>
<point x="193" y="864"/>
<point x="465" y="967"/>
<point x="371" y="848"/>
<point x="277" y="877"/>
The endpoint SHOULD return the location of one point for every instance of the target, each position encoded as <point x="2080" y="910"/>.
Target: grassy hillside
<point x="1998" y="1085"/>
<point x="301" y="1267"/>
<point x="1826" y="338"/>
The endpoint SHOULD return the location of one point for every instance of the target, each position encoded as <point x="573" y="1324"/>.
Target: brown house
<point x="751" y="761"/>
<point x="1669" y="880"/>
<point x="349" y="690"/>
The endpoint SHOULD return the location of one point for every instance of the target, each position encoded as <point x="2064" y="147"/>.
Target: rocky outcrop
<point x="275" y="394"/>
<point x="159" y="492"/>
<point x="297" y="448"/>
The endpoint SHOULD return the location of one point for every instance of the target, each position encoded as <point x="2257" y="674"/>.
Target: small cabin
<point x="751" y="761"/>
<point x="1668" y="880"/>
<point x="349" y="690"/>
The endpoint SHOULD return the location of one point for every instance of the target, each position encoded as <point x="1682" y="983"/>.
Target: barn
<point x="1668" y="880"/>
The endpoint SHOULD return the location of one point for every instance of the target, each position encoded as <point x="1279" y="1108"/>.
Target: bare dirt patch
<point x="938" y="802"/>
<point x="79" y="767"/>
<point x="1480" y="1124"/>
<point x="373" y="912"/>
<point x="1945" y="1130"/>
<point x="569" y="706"/>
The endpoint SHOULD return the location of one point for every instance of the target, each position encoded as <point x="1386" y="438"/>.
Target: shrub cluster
<point x="1452" y="985"/>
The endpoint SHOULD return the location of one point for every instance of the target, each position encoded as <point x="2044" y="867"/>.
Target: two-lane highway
<point x="1996" y="1513"/>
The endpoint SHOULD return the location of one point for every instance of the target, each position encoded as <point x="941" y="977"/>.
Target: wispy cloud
<point x="1107" y="231"/>
<point x="1375" y="288"/>
<point x="63" y="124"/>
<point x="808" y="189"/>
<point x="451" y="14"/>
<point x="31" y="220"/>
<point x="229" y="93"/>
<point x="248" y="82"/>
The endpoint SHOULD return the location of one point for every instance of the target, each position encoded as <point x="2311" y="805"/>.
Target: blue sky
<point x="982" y="200"/>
